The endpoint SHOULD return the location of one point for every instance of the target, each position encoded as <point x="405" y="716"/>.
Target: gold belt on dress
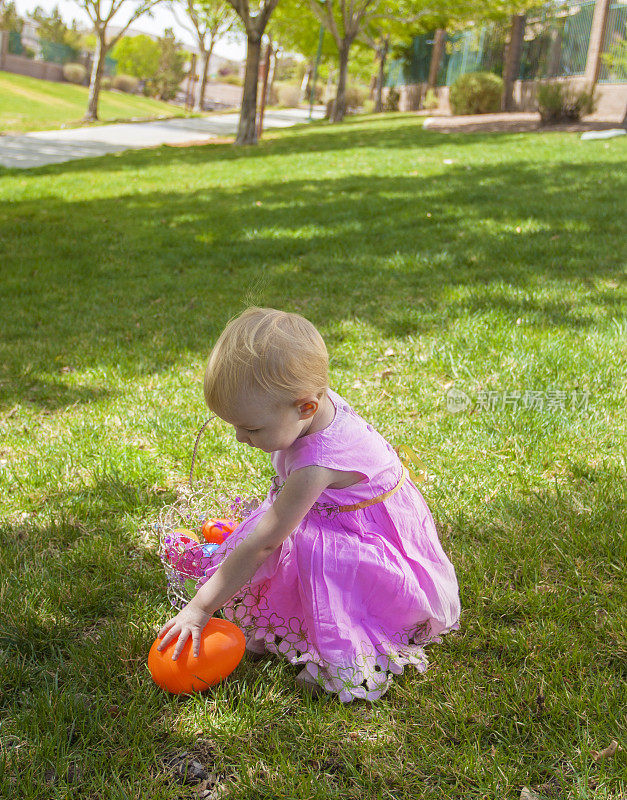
<point x="379" y="499"/>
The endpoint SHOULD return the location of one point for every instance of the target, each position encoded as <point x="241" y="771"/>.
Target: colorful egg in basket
<point x="185" y="553"/>
<point x="187" y="538"/>
<point x="216" y="530"/>
<point x="222" y="646"/>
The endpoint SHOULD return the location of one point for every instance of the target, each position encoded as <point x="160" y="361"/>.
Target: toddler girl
<point x="339" y="569"/>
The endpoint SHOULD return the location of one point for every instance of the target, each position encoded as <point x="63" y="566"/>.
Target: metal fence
<point x="474" y="50"/>
<point x="57" y="53"/>
<point x="614" y="58"/>
<point x="41" y="49"/>
<point x="53" y="52"/>
<point x="16" y="48"/>
<point x="555" y="45"/>
<point x="414" y="68"/>
<point x="556" y="42"/>
<point x="418" y="71"/>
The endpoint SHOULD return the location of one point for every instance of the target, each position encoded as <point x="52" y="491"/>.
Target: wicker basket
<point x="195" y="503"/>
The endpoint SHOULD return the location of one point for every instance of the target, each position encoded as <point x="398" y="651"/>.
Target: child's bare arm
<point x="300" y="491"/>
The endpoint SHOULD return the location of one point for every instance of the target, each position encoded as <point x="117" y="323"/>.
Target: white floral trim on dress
<point x="369" y="678"/>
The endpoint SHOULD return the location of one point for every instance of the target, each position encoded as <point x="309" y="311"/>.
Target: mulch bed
<point x="512" y="122"/>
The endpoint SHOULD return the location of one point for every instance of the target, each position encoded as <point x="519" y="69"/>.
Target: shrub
<point x="430" y="100"/>
<point x="558" y="102"/>
<point x="476" y="93"/>
<point x="272" y="97"/>
<point x="318" y="93"/>
<point x="74" y="73"/>
<point x="550" y="99"/>
<point x="328" y="92"/>
<point x="234" y="80"/>
<point x="288" y="94"/>
<point x="105" y="83"/>
<point x="356" y="96"/>
<point x="392" y="100"/>
<point x="125" y="83"/>
<point x="137" y="55"/>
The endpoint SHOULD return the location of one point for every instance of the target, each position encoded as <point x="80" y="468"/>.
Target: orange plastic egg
<point x="222" y="646"/>
<point x="216" y="530"/>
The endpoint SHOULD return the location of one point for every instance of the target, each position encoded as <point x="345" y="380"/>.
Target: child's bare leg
<point x="309" y="684"/>
<point x="256" y="647"/>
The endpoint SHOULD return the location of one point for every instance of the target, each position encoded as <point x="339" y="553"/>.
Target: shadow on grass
<point x="535" y="573"/>
<point x="140" y="277"/>
<point x="85" y="555"/>
<point x="50" y="396"/>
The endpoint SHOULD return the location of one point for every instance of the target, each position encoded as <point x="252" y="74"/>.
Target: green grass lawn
<point x="478" y="262"/>
<point x="29" y="104"/>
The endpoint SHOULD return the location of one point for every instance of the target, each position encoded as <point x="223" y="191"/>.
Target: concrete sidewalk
<point x="53" y="147"/>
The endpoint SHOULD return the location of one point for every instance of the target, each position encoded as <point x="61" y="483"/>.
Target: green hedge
<point x="476" y="93"/>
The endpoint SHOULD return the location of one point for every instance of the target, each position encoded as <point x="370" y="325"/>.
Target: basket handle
<point x="191" y="471"/>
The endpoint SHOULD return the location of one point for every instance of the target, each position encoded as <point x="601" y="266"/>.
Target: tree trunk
<point x="272" y="74"/>
<point x="305" y="84"/>
<point x="246" y="131"/>
<point x="96" y="77"/>
<point x="372" y="86"/>
<point x="436" y="57"/>
<point x="339" y="106"/>
<point x="264" y="89"/>
<point x="382" y="54"/>
<point x="205" y="58"/>
<point x="327" y="90"/>
<point x="511" y="67"/>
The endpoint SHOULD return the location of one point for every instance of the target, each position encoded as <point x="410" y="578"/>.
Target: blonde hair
<point x="264" y="349"/>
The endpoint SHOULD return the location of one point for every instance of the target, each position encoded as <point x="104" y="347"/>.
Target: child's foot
<point x="309" y="685"/>
<point x="256" y="649"/>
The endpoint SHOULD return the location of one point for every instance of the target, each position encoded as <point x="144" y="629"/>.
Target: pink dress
<point x="352" y="595"/>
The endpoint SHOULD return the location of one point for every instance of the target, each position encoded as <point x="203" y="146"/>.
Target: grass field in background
<point x="428" y="262"/>
<point x="30" y="104"/>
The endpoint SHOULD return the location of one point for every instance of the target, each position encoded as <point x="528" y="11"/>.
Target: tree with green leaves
<point x="255" y="15"/>
<point x="10" y="20"/>
<point x="52" y="28"/>
<point x="137" y="55"/>
<point x="295" y="29"/>
<point x="101" y="13"/>
<point x="207" y="21"/>
<point x="404" y="21"/>
<point x="347" y="21"/>
<point x="171" y="68"/>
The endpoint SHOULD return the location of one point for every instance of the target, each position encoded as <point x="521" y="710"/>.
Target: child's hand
<point x="191" y="620"/>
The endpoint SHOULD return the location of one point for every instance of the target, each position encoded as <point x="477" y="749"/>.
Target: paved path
<point x="52" y="147"/>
